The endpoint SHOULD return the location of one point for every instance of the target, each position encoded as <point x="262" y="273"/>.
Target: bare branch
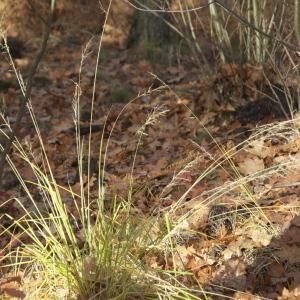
<point x="163" y="10"/>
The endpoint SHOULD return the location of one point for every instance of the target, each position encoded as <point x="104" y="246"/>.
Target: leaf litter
<point x="247" y="250"/>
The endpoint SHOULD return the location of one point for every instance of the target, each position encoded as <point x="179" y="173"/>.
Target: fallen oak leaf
<point x="289" y="253"/>
<point x="296" y="221"/>
<point x="291" y="235"/>
<point x="259" y="236"/>
<point x="10" y="287"/>
<point x="276" y="270"/>
<point x="251" y="165"/>
<point x="258" y="148"/>
<point x="12" y="292"/>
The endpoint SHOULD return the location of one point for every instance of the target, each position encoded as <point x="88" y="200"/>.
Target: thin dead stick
<point x="144" y="8"/>
<point x="27" y="91"/>
<point x="280" y="186"/>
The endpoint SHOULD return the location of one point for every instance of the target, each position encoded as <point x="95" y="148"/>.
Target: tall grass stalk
<point x="83" y="250"/>
<point x="219" y="31"/>
<point x="246" y="40"/>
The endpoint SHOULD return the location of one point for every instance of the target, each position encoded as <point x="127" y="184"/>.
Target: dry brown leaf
<point x="251" y="165"/>
<point x="232" y="274"/>
<point x="296" y="221"/>
<point x="258" y="148"/>
<point x="13" y="292"/>
<point x="229" y="70"/>
<point x="276" y="270"/>
<point x="291" y="235"/>
<point x="11" y="288"/>
<point x="289" y="253"/>
<point x="292" y="146"/>
<point x="234" y="249"/>
<point x="204" y="274"/>
<point x="259" y="235"/>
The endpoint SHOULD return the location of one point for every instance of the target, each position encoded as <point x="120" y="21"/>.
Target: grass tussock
<point x="90" y="252"/>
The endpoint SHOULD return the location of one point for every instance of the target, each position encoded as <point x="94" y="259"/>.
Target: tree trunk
<point x="150" y="29"/>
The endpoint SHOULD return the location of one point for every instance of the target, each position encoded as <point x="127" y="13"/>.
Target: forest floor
<point x="234" y="172"/>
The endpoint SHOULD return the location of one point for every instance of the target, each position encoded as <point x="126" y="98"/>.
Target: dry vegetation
<point x="152" y="176"/>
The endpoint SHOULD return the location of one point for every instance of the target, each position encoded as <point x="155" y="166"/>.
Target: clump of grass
<point x="85" y="250"/>
<point x="88" y="251"/>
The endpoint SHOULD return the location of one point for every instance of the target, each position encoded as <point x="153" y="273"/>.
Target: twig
<point x="27" y="92"/>
<point x="164" y="10"/>
<point x="280" y="186"/>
